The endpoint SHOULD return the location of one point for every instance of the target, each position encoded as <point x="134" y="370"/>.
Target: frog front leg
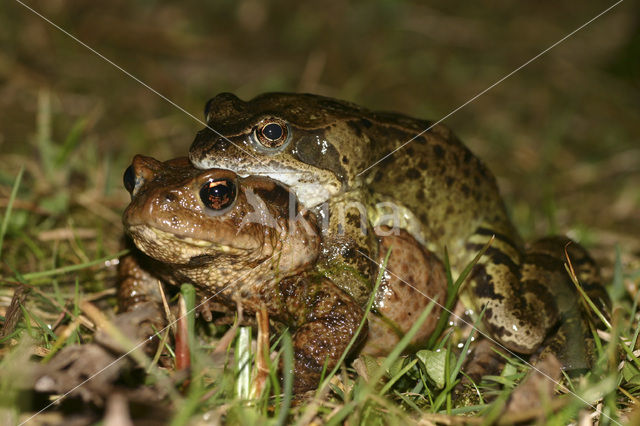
<point x="349" y="244"/>
<point x="136" y="285"/>
<point x="139" y="297"/>
<point x="325" y="320"/>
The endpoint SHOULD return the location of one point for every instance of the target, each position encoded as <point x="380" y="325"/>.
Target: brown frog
<point x="246" y="241"/>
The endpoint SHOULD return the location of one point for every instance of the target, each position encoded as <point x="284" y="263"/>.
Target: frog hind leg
<point x="554" y="250"/>
<point x="528" y="295"/>
<point x="571" y="343"/>
<point x="519" y="307"/>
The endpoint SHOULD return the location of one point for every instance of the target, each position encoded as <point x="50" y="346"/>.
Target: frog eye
<point x="272" y="133"/>
<point x="129" y="179"/>
<point x="218" y="194"/>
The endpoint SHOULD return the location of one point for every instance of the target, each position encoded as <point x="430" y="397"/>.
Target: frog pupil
<point x="272" y="131"/>
<point x="129" y="179"/>
<point x="218" y="194"/>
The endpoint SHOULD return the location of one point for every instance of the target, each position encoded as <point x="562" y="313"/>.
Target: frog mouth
<point x="160" y="237"/>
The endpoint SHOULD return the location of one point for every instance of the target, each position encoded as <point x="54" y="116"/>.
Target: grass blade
<point x="71" y="268"/>
<point x="452" y="291"/>
<point x="287" y="351"/>
<point x="7" y="213"/>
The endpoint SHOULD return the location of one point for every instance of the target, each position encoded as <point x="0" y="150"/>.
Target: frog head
<point x="213" y="223"/>
<point x="311" y="143"/>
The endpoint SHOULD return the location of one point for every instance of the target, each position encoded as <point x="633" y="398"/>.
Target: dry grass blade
<point x="262" y="352"/>
<point x="14" y="312"/>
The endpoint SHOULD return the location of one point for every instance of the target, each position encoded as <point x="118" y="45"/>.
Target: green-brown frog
<point x="246" y="241"/>
<point x="335" y="156"/>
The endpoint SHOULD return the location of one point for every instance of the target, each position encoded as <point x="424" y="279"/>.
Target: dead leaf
<point x="14" y="313"/>
<point x="537" y="389"/>
<point x="87" y="371"/>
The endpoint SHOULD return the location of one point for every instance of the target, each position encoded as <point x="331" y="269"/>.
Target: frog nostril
<point x="129" y="179"/>
<point x="170" y="197"/>
<point x="222" y="144"/>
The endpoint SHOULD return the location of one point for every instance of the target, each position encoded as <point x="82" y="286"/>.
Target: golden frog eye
<point x="218" y="194"/>
<point x="272" y="133"/>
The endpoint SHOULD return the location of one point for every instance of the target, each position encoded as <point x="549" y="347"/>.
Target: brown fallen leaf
<point x="90" y="370"/>
<point x="87" y="371"/>
<point x="135" y="326"/>
<point x="537" y="389"/>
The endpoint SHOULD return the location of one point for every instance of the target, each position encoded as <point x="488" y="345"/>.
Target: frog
<point x="248" y="242"/>
<point x="347" y="162"/>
